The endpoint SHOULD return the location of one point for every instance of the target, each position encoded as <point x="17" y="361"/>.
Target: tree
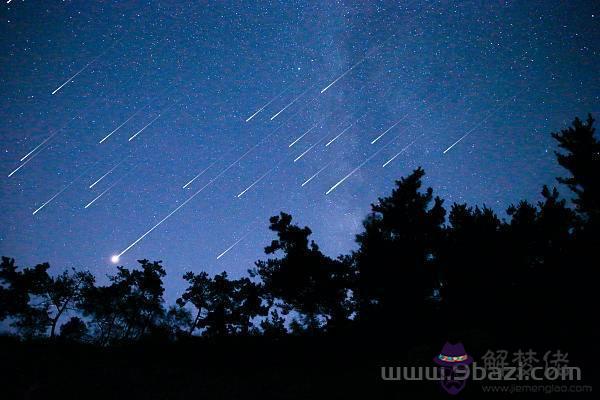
<point x="73" y="330"/>
<point x="36" y="300"/>
<point x="249" y="303"/>
<point x="130" y="306"/>
<point x="64" y="292"/>
<point x="582" y="160"/>
<point x="274" y="325"/>
<point x="397" y="253"/>
<point x="303" y="279"/>
<point x="198" y="295"/>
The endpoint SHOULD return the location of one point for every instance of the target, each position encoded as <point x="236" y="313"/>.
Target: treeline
<point x="418" y="267"/>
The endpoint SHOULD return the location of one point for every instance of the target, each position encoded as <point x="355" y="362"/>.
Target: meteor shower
<point x="297" y="199"/>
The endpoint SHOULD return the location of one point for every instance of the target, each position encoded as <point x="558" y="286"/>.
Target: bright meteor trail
<point x="198" y="176"/>
<point x="315" y="175"/>
<point x="110" y="187"/>
<point x="361" y="165"/>
<point x="47" y="139"/>
<point x="491" y="113"/>
<point x="103" y="176"/>
<point x="119" y="127"/>
<point x="256" y="181"/>
<point x="291" y="103"/>
<point x="266" y="105"/>
<point x="301" y="136"/>
<point x="61" y="191"/>
<point x="147" y="125"/>
<point x="400" y="152"/>
<point x="232" y="246"/>
<point x="344" y="131"/>
<point x="84" y="68"/>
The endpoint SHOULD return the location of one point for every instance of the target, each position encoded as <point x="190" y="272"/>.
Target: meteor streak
<point x="84" y="68"/>
<point x="344" y="74"/>
<point x="387" y="130"/>
<point x="315" y="175"/>
<point x="47" y="139"/>
<point x="198" y="176"/>
<point x="361" y="165"/>
<point x="119" y="127"/>
<point x="103" y="176"/>
<point x="61" y="191"/>
<point x="311" y="128"/>
<point x="19" y="167"/>
<point x="400" y="152"/>
<point x="256" y="181"/>
<point x="491" y="113"/>
<point x="301" y="136"/>
<point x="266" y="105"/>
<point x="339" y="134"/>
<point x="110" y="187"/>
<point x="309" y="149"/>
<point x="363" y="59"/>
<point x="349" y="126"/>
<point x="292" y="102"/>
<point x="232" y="246"/>
<point x="147" y="125"/>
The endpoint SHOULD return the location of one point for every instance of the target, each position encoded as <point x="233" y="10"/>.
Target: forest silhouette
<point x="423" y="273"/>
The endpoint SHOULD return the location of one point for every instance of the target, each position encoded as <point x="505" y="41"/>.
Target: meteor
<point x="315" y="175"/>
<point x="232" y="246"/>
<point x="19" y="167"/>
<point x="344" y="131"/>
<point x="147" y="125"/>
<point x="47" y="139"/>
<point x="198" y="176"/>
<point x="344" y="74"/>
<point x="85" y="67"/>
<point x="119" y="127"/>
<point x="400" y="152"/>
<point x="267" y="104"/>
<point x="340" y="134"/>
<point x="256" y="181"/>
<point x="361" y="165"/>
<point x="292" y="102"/>
<point x="301" y="136"/>
<point x="363" y="59"/>
<point x="310" y="129"/>
<point x="490" y="114"/>
<point x="61" y="191"/>
<point x="73" y="77"/>
<point x="110" y="187"/>
<point x="387" y="130"/>
<point x="103" y="176"/>
<point x="309" y="149"/>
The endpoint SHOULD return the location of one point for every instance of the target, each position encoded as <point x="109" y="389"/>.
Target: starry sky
<point x="173" y="130"/>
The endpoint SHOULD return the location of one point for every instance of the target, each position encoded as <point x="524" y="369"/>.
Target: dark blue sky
<point x="505" y="74"/>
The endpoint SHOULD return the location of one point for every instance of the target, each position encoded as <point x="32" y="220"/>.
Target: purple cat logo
<point x="454" y="362"/>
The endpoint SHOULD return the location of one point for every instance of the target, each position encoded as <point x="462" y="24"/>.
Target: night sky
<point x="255" y="99"/>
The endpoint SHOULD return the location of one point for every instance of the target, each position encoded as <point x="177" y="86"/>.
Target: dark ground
<point x="244" y="368"/>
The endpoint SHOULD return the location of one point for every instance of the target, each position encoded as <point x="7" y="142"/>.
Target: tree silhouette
<point x="37" y="301"/>
<point x="582" y="160"/>
<point x="73" y="330"/>
<point x="130" y="306"/>
<point x="197" y="294"/>
<point x="249" y="303"/>
<point x="397" y="253"/>
<point x="304" y="279"/>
